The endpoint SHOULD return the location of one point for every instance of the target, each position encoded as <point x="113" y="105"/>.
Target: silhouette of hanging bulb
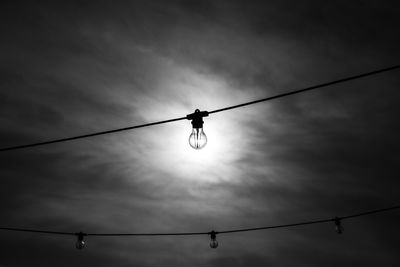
<point x="197" y="138"/>
<point x="338" y="225"/>
<point x="80" y="243"/>
<point x="213" y="242"/>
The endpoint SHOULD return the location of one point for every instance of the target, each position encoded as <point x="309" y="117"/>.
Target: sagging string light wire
<point x="213" y="234"/>
<point x="346" y="79"/>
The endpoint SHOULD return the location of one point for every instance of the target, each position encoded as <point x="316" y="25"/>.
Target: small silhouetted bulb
<point x="197" y="138"/>
<point x="213" y="242"/>
<point x="339" y="229"/>
<point x="80" y="244"/>
<point x="338" y="226"/>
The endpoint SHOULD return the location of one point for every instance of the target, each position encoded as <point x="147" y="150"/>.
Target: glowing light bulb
<point x="80" y="244"/>
<point x="338" y="226"/>
<point x="197" y="138"/>
<point x="213" y="242"/>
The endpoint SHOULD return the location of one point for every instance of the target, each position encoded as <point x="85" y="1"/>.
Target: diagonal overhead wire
<point x="207" y="233"/>
<point x="89" y="135"/>
<point x="346" y="79"/>
<point x="350" y="78"/>
<point x="311" y="222"/>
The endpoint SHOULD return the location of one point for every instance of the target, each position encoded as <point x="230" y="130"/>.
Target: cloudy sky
<point x="73" y="68"/>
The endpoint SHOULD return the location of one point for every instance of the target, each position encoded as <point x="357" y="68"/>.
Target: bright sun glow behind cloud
<point x="165" y="148"/>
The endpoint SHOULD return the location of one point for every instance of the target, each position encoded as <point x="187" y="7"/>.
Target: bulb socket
<point x="197" y="118"/>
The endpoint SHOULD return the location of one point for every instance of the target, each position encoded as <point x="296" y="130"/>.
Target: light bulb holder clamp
<point x="197" y="118"/>
<point x="80" y="236"/>
<point x="337" y="221"/>
<point x="213" y="235"/>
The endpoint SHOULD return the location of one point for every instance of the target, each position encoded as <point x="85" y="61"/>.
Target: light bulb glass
<point x="213" y="243"/>
<point x="197" y="138"/>
<point x="339" y="229"/>
<point x="80" y="244"/>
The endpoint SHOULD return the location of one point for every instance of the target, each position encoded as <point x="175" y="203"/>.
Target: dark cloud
<point x="76" y="67"/>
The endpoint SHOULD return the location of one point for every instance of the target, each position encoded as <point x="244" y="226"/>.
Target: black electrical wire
<point x="89" y="135"/>
<point x="35" y="231"/>
<point x="310" y="222"/>
<point x="214" y="111"/>
<point x="207" y="233"/>
<point x="308" y="88"/>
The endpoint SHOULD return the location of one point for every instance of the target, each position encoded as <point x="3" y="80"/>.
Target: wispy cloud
<point x="75" y="68"/>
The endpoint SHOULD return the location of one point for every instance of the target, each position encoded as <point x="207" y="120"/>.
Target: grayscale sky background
<point x="70" y="68"/>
